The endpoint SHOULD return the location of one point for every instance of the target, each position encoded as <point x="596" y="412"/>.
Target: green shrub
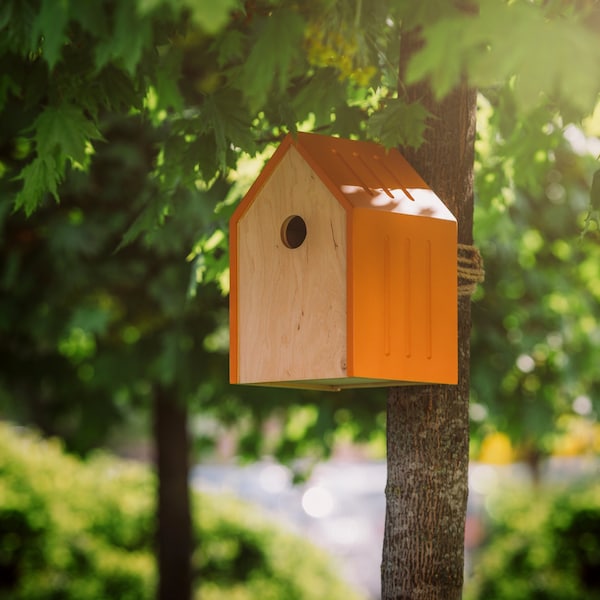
<point x="242" y="557"/>
<point x="542" y="546"/>
<point x="67" y="529"/>
<point x="84" y="531"/>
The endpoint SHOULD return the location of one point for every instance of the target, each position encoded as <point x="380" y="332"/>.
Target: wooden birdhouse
<point x="343" y="271"/>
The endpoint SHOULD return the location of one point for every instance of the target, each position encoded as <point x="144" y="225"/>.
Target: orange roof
<point x="360" y="174"/>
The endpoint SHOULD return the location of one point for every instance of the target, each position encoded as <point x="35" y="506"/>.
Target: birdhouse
<point x="343" y="271"/>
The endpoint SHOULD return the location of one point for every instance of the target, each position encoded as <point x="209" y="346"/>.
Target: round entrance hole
<point x="293" y="231"/>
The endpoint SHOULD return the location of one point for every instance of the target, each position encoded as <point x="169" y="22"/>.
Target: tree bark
<point x="174" y="529"/>
<point x="428" y="426"/>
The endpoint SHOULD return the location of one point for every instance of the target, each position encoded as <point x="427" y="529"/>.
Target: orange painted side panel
<point x="403" y="298"/>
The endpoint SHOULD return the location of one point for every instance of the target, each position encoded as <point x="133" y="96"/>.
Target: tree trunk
<point x="428" y="426"/>
<point x="174" y="531"/>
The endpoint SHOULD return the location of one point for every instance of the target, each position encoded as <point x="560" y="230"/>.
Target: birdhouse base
<point x="336" y="385"/>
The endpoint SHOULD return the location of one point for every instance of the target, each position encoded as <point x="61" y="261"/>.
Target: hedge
<point x="543" y="545"/>
<point x="75" y="530"/>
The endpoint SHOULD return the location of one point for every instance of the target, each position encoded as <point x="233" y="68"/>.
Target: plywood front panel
<point x="291" y="302"/>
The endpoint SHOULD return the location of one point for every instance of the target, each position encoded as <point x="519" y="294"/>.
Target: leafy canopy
<point x="237" y="72"/>
<point x="142" y="117"/>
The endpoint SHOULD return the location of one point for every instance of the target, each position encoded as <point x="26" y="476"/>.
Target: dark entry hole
<point x="293" y="231"/>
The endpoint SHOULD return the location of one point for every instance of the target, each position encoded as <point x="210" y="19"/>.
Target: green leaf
<point x="398" y="124"/>
<point x="278" y="45"/>
<point x="39" y="177"/>
<point x="212" y="16"/>
<point x="442" y="58"/>
<point x="61" y="134"/>
<point x="63" y="131"/>
<point x="150" y="218"/>
<point x="512" y="41"/>
<point x="210" y="263"/>
<point x="593" y="215"/>
<point x="224" y="116"/>
<point x="205" y="156"/>
<point x="49" y="26"/>
<point x="229" y="47"/>
<point x="117" y="89"/>
<point x="90" y="318"/>
<point x="92" y="16"/>
<point x="167" y="88"/>
<point x="563" y="56"/>
<point x="7" y="86"/>
<point x="16" y="21"/>
<point x="349" y="120"/>
<point x="5" y="15"/>
<point x="319" y="96"/>
<point x="132" y="34"/>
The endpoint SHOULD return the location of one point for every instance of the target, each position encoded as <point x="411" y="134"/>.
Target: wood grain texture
<point x="292" y="302"/>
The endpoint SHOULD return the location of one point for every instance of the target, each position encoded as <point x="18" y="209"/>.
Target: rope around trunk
<point x="470" y="269"/>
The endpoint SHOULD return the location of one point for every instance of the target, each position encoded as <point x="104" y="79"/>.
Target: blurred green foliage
<point x="69" y="530"/>
<point x="84" y="530"/>
<point x="542" y="545"/>
<point x="535" y="342"/>
<point x="145" y="139"/>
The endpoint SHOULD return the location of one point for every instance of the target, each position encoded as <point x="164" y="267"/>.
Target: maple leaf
<point x="152" y="216"/>
<point x="227" y="120"/>
<point x="398" y="124"/>
<point x="229" y="46"/>
<point x="63" y="132"/>
<point x="49" y="29"/>
<point x="39" y="177"/>
<point x="278" y="45"/>
<point x="123" y="47"/>
<point x="512" y="41"/>
<point x="320" y="95"/>
<point x="210" y="15"/>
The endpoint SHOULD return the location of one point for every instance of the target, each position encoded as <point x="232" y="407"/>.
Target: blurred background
<point x="341" y="508"/>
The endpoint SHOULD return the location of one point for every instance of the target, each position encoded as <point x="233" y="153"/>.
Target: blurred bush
<point x="542" y="545"/>
<point x="71" y="530"/>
